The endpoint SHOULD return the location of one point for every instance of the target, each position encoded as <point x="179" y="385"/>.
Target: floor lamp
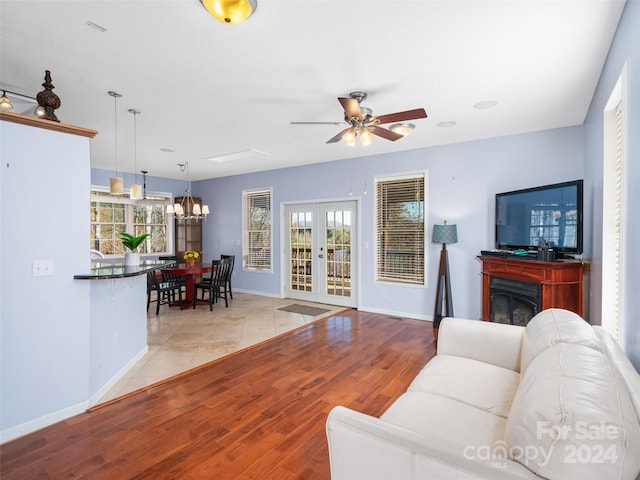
<point x="443" y="234"/>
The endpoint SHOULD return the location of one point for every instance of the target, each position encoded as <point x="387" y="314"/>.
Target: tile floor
<point x="181" y="340"/>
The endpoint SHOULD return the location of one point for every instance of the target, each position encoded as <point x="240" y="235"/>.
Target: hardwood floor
<point x="258" y="414"/>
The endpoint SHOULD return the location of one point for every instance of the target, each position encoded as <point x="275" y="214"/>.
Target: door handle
<point x="321" y="256"/>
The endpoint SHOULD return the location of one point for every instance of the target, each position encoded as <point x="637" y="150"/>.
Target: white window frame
<point x="246" y="264"/>
<point x="153" y="198"/>
<point x="614" y="209"/>
<point x="378" y="278"/>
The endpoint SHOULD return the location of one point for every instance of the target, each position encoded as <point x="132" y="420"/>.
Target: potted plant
<point x="132" y="257"/>
<point x="190" y="257"/>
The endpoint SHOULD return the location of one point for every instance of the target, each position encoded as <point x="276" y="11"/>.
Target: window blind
<point x="400" y="230"/>
<point x="257" y="235"/>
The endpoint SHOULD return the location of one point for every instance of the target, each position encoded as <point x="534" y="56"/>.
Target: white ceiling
<point x="207" y="89"/>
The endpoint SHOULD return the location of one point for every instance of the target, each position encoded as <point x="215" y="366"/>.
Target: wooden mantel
<point x="46" y="124"/>
<point x="560" y="281"/>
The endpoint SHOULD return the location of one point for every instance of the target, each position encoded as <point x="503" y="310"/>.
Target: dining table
<point x="190" y="273"/>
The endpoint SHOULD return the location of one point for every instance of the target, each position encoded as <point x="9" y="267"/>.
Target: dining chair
<point x="165" y="292"/>
<point x="217" y="286"/>
<point x="233" y="261"/>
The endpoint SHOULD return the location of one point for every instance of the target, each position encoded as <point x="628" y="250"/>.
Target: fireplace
<point x="513" y="301"/>
<point x="527" y="286"/>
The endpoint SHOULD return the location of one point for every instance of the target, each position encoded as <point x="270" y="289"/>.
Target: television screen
<point x="527" y="218"/>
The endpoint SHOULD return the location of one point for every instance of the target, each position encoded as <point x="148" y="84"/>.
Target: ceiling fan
<point x="360" y="121"/>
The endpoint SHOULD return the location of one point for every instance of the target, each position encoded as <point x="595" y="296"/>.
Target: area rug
<point x="303" y="309"/>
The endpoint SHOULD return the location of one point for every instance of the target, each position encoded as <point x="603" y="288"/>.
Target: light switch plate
<point x="42" y="268"/>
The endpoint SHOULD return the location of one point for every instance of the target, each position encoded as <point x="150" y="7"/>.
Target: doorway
<point x="320" y="252"/>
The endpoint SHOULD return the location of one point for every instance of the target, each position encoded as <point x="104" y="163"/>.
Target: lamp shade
<point x="445" y="234"/>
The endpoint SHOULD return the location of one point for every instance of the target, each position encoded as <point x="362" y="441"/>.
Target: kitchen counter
<point x="103" y="270"/>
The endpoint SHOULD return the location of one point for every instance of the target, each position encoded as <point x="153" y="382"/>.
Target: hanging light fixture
<point x="116" y="184"/>
<point x="188" y="209"/>
<point x="5" y="103"/>
<point x="135" y="192"/>
<point x="230" y="12"/>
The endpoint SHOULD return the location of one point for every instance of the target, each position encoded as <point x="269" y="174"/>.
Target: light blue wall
<point x="44" y="320"/>
<point x="462" y="182"/>
<point x="625" y="48"/>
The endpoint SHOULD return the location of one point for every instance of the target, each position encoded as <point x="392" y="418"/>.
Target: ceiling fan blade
<point x="338" y="137"/>
<point x="351" y="107"/>
<point x="319" y="123"/>
<point x="384" y="133"/>
<point x="400" y="116"/>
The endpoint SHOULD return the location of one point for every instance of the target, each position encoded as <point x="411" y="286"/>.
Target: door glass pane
<point x="338" y="255"/>
<point x="301" y="226"/>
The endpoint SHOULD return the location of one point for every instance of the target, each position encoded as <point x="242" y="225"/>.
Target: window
<point x="614" y="209"/>
<point x="400" y="231"/>
<point x="111" y="215"/>
<point x="256" y="248"/>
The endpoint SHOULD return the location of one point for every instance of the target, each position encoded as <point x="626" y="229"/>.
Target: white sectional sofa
<point x="557" y="399"/>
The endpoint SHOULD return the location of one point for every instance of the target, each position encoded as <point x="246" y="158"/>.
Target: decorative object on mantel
<point x="132" y="257"/>
<point x="443" y="234"/>
<point x="135" y="193"/>
<point x="181" y="210"/>
<point x="230" y="12"/>
<point x="116" y="184"/>
<point x="47" y="99"/>
<point x="190" y="256"/>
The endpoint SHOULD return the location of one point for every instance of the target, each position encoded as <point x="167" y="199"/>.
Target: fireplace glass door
<point x="513" y="301"/>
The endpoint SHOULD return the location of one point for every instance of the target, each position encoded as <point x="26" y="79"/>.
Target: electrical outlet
<point x="42" y="268"/>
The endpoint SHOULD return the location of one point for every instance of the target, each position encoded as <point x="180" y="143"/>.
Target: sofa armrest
<point x="362" y="447"/>
<point x="489" y="342"/>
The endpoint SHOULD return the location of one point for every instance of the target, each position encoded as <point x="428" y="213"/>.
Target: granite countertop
<point x="102" y="270"/>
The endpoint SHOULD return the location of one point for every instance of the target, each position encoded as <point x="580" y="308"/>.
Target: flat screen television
<point x="527" y="218"/>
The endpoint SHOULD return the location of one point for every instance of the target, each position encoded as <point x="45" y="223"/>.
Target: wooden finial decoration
<point x="47" y="99"/>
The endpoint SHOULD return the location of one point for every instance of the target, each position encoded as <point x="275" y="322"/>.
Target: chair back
<point x="231" y="257"/>
<point x="220" y="271"/>
<point x="152" y="281"/>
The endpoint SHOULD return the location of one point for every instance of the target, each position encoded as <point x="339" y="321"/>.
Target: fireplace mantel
<point x="560" y="281"/>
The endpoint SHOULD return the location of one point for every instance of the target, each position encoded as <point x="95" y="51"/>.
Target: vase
<point x="131" y="259"/>
<point x="191" y="262"/>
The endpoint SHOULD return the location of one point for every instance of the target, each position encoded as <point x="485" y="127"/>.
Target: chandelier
<point x="188" y="208"/>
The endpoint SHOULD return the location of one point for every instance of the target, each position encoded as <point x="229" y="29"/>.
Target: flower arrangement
<point x="191" y="255"/>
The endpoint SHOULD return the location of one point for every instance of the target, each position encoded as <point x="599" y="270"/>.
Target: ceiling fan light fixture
<point x="349" y="137"/>
<point x="403" y="129"/>
<point x="365" y="137"/>
<point x="230" y="12"/>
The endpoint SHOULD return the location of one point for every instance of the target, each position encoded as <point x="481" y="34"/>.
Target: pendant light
<point x="5" y="103"/>
<point x="136" y="189"/>
<point x="116" y="184"/>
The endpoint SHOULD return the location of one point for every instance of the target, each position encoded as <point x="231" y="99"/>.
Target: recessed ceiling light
<point x="447" y="124"/>
<point x="485" y="105"/>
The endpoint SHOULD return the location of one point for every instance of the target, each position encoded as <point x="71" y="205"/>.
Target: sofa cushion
<point x="572" y="417"/>
<point x="443" y="417"/>
<point x="481" y="385"/>
<point x="553" y="326"/>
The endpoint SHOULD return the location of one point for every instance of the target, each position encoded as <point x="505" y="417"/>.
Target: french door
<point x="321" y="252"/>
